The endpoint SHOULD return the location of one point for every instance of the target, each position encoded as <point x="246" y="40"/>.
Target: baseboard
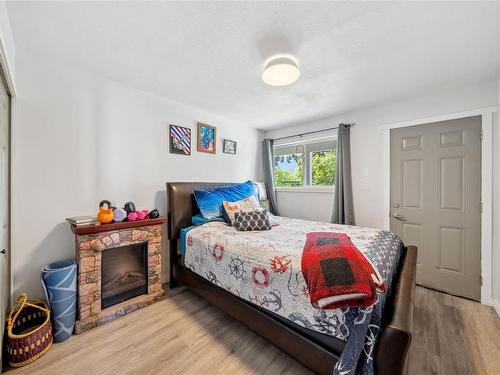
<point x="488" y="301"/>
<point x="496" y="306"/>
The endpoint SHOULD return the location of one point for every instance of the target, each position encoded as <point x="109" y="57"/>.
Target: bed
<point x="312" y="347"/>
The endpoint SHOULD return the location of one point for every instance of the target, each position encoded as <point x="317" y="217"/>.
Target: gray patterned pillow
<point x="254" y="220"/>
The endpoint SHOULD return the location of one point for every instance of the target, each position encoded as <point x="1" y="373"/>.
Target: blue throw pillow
<point x="210" y="201"/>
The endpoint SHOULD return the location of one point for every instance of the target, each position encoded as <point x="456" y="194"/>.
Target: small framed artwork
<point x="180" y="140"/>
<point x="207" y="136"/>
<point x="229" y="147"/>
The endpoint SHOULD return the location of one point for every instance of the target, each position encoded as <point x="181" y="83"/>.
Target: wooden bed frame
<point x="390" y="357"/>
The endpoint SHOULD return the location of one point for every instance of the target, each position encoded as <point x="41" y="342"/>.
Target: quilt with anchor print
<point x="264" y="268"/>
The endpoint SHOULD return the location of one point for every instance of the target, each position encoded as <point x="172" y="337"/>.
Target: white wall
<point x="366" y="148"/>
<point x="306" y="205"/>
<point x="81" y="139"/>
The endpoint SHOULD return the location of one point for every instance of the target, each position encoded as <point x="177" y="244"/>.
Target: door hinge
<point x="481" y="280"/>
<point x="482" y="134"/>
<point x="481" y="207"/>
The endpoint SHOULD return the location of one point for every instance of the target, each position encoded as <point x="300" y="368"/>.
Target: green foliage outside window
<point x="285" y="177"/>
<point x="323" y="167"/>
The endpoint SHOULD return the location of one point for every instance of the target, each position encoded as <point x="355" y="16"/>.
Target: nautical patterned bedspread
<point x="264" y="268"/>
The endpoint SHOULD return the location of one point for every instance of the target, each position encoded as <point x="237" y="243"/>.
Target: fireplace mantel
<point x="90" y="242"/>
<point x="91" y="229"/>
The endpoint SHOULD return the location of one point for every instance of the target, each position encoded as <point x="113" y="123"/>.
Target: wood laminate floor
<point x="185" y="334"/>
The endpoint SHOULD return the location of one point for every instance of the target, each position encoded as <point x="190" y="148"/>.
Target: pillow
<point x="244" y="205"/>
<point x="210" y="201"/>
<point x="255" y="190"/>
<point x="261" y="189"/>
<point x="254" y="220"/>
<point x="199" y="219"/>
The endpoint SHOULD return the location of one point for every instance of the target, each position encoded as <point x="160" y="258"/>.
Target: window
<point x="289" y="166"/>
<point x="305" y="163"/>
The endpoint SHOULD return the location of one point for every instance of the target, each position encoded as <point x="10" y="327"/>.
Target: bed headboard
<point x="181" y="205"/>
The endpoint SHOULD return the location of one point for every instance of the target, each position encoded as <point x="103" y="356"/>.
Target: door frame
<point x="6" y="69"/>
<point x="486" y="185"/>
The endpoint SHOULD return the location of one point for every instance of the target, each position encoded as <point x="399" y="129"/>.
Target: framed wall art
<point x="229" y="146"/>
<point x="180" y="140"/>
<point x="207" y="137"/>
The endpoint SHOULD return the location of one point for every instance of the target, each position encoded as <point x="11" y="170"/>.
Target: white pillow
<point x="261" y="187"/>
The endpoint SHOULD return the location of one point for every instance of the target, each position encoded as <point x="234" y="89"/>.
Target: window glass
<point x="323" y="167"/>
<point x="289" y="166"/>
<point x="310" y="163"/>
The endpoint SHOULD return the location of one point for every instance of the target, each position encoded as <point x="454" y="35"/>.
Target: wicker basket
<point x="29" y="331"/>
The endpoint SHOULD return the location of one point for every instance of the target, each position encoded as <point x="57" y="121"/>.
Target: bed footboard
<point x="391" y="352"/>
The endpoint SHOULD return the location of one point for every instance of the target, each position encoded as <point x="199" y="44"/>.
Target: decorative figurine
<point x="154" y="214"/>
<point x="120" y="214"/>
<point x="129" y="207"/>
<point x="141" y="215"/>
<point x="105" y="214"/>
<point x="132" y="216"/>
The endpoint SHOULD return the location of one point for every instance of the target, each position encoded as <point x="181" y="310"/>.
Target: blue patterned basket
<point x="59" y="284"/>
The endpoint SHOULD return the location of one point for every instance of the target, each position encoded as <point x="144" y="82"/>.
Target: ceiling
<point x="211" y="55"/>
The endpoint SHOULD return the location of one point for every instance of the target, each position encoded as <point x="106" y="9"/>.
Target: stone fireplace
<point x="119" y="270"/>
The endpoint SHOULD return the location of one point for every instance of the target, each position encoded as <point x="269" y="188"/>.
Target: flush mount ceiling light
<point x="280" y="71"/>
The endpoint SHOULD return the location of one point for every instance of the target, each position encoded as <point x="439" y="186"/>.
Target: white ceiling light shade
<point x="280" y="71"/>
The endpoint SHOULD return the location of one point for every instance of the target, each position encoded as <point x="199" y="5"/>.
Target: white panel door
<point x="436" y="201"/>
<point x="4" y="205"/>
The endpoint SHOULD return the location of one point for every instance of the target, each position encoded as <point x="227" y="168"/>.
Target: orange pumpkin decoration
<point x="105" y="214"/>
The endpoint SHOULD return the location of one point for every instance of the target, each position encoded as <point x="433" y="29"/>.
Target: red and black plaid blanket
<point x="337" y="274"/>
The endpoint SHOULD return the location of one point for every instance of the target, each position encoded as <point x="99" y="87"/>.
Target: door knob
<point x="3" y="251"/>
<point x="395" y="205"/>
<point x="399" y="217"/>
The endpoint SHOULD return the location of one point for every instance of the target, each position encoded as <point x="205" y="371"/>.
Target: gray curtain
<point x="268" y="157"/>
<point x="343" y="210"/>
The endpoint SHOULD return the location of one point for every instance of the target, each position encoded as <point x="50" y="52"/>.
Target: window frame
<point x="307" y="167"/>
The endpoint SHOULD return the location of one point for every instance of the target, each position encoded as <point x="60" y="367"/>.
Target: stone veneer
<point x="89" y="249"/>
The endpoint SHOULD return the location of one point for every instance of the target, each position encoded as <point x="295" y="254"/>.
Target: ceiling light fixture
<point x="280" y="71"/>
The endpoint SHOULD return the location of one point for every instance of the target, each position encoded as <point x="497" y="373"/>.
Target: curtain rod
<point x="312" y="132"/>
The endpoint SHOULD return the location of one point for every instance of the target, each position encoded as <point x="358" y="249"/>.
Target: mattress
<point x="264" y="268"/>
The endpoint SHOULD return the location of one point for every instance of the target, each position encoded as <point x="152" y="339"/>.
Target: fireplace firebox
<point x="123" y="273"/>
